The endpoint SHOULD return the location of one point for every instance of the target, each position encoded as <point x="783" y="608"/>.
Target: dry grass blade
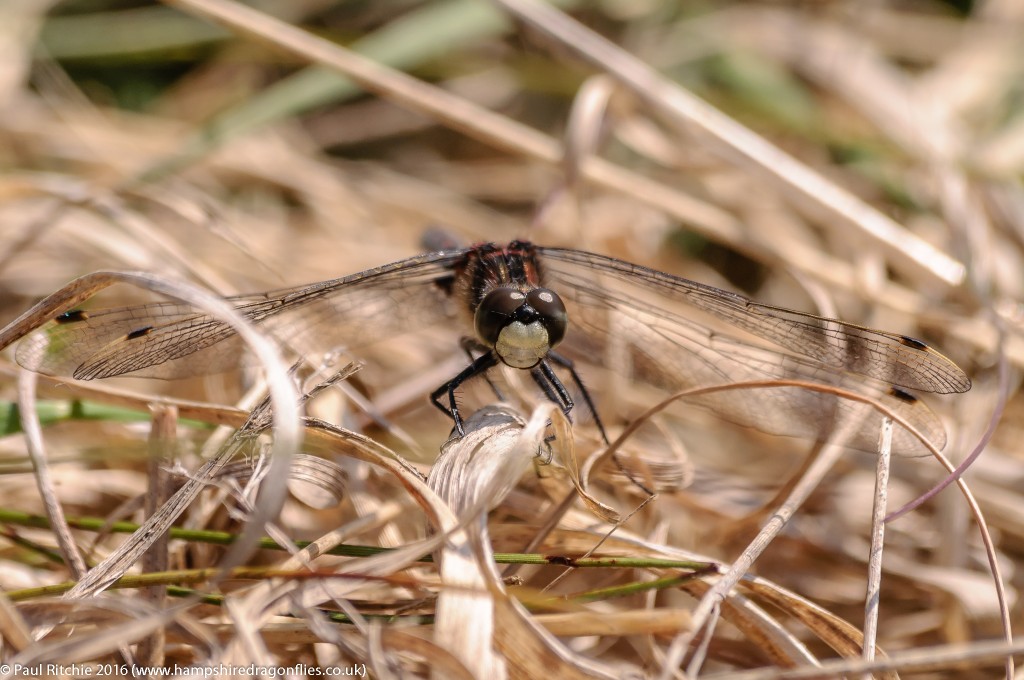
<point x="812" y="476"/>
<point x="922" y="659"/>
<point x="878" y="513"/>
<point x="472" y="475"/>
<point x="34" y="440"/>
<point x="501" y="132"/>
<point x="163" y="440"/>
<point x="704" y="613"/>
<point x="13" y="626"/>
<point x="282" y="393"/>
<point x="686" y="111"/>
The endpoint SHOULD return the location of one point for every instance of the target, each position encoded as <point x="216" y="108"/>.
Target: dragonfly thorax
<point x="521" y="327"/>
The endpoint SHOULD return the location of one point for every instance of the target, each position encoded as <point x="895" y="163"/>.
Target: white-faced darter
<point x="522" y="301"/>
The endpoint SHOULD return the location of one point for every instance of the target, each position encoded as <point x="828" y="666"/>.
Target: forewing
<point x="657" y="322"/>
<point x="887" y="357"/>
<point x="171" y="340"/>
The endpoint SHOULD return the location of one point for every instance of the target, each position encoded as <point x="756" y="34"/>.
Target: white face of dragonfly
<point x="522" y="345"/>
<point x="521" y="327"/>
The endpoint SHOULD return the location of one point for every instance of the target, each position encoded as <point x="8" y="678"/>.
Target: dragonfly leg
<point x="552" y="387"/>
<point x="470" y="345"/>
<point x="568" y="365"/>
<point x="481" y="364"/>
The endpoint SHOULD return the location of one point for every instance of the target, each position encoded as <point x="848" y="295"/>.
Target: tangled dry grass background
<point x="260" y="151"/>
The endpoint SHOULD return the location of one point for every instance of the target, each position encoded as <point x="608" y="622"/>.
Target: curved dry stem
<point x="799" y="492"/>
<point x="283" y="396"/>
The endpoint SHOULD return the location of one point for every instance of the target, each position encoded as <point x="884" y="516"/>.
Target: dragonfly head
<point x="521" y="327"/>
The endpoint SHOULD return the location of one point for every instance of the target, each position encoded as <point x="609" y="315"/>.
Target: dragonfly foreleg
<point x="481" y="364"/>
<point x="568" y="365"/>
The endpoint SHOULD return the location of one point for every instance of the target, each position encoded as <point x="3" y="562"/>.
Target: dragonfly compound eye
<point x="521" y="327"/>
<point x="551" y="311"/>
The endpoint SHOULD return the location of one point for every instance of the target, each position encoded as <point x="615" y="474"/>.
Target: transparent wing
<point x="649" y="313"/>
<point x="662" y="326"/>
<point x="171" y="340"/>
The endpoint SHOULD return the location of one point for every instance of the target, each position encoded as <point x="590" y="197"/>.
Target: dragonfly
<point x="542" y="310"/>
